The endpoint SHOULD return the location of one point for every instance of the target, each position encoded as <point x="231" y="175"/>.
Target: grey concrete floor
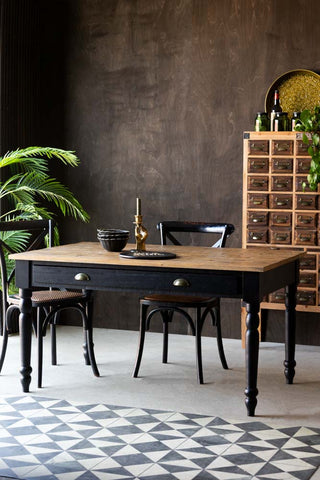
<point x="174" y="386"/>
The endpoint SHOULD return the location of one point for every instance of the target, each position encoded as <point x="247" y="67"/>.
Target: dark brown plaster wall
<point x="154" y="95"/>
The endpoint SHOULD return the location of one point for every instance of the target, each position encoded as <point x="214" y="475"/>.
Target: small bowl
<point x="113" y="244"/>
<point x="112" y="232"/>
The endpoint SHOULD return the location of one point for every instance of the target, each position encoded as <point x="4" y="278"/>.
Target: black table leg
<point x="252" y="354"/>
<point x="25" y="325"/>
<point x="290" y="332"/>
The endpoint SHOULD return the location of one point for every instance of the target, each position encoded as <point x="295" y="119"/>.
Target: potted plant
<point x="310" y="124"/>
<point x="28" y="190"/>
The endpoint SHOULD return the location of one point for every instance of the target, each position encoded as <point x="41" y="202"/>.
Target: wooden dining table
<point x="247" y="274"/>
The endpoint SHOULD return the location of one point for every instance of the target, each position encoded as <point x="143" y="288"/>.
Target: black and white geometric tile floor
<point x="50" y="439"/>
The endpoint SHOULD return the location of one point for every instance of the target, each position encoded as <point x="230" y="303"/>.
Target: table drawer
<point x="282" y="165"/>
<point x="258" y="147"/>
<point x="302" y="148"/>
<point x="258" y="183"/>
<point x="306" y="219"/>
<point x="306" y="202"/>
<point x="305" y="297"/>
<point x="280" y="201"/>
<point x="303" y="165"/>
<point x="305" y="237"/>
<point x="258" y="218"/>
<point x="282" y="147"/>
<point x="280" y="235"/>
<point x="256" y="200"/>
<point x="281" y="184"/>
<point x="258" y="165"/>
<point x="133" y="279"/>
<point x="278" y="219"/>
<point x="302" y="182"/>
<point x="277" y="296"/>
<point x="308" y="279"/>
<point x="308" y="262"/>
<point x="257" y="235"/>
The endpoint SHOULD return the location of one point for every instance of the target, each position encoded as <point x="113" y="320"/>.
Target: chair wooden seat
<point x="168" y="305"/>
<point x="179" y="300"/>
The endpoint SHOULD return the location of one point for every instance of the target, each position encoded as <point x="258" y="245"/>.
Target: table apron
<point x="155" y="281"/>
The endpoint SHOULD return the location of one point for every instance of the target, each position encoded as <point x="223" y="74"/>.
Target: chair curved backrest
<point x="35" y="232"/>
<point x="223" y="230"/>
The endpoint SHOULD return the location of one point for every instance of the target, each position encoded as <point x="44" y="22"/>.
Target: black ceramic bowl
<point x="113" y="244"/>
<point x="112" y="232"/>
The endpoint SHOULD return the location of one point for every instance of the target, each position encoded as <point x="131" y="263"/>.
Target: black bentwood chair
<point x="167" y="305"/>
<point x="48" y="303"/>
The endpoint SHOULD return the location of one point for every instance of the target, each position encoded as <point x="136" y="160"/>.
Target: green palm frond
<point x="30" y="182"/>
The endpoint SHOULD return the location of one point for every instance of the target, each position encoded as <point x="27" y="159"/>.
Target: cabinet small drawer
<point x="303" y="165"/>
<point x="308" y="280"/>
<point x="282" y="165"/>
<point x="258" y="183"/>
<point x="306" y="220"/>
<point x="256" y="200"/>
<point x="306" y="298"/>
<point x="306" y="237"/>
<point x="306" y="202"/>
<point x="258" y="165"/>
<point x="300" y="182"/>
<point x="282" y="147"/>
<point x="302" y="148"/>
<point x="278" y="296"/>
<point x="257" y="235"/>
<point x="280" y="219"/>
<point x="280" y="236"/>
<point x="308" y="262"/>
<point x="281" y="184"/>
<point x="281" y="201"/>
<point x="258" y="147"/>
<point x="258" y="218"/>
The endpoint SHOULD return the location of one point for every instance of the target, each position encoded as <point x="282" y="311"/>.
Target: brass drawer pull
<point x="281" y="219"/>
<point x="256" y="236"/>
<point x="257" y="202"/>
<point x="282" y="184"/>
<point x="304" y="167"/>
<point x="282" y="147"/>
<point x="258" y="147"/>
<point x="282" y="203"/>
<point x="305" y="238"/>
<point x="306" y="203"/>
<point x="305" y="280"/>
<point x="256" y="183"/>
<point x="81" y="277"/>
<point x="181" y="282"/>
<point x="258" y="219"/>
<point x="282" y="165"/>
<point x="305" y="219"/>
<point x="281" y="238"/>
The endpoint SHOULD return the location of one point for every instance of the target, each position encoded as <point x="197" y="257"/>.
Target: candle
<point x="138" y="206"/>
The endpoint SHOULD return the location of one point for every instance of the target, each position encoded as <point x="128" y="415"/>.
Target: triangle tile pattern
<point x="47" y="439"/>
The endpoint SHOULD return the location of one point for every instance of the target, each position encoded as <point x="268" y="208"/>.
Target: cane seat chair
<point x="47" y="303"/>
<point x="168" y="305"/>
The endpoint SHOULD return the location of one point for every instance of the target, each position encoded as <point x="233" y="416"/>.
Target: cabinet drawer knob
<point x="181" y="282"/>
<point x="82" y="277"/>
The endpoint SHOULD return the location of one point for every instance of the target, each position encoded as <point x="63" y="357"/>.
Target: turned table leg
<point x="25" y="325"/>
<point x="252" y="354"/>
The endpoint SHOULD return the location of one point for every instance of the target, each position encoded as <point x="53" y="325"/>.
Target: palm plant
<point x="29" y="189"/>
<point x="29" y="183"/>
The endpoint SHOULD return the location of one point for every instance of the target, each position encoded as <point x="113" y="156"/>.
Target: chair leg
<point x="216" y="320"/>
<point x="143" y="317"/>
<point x="166" y="318"/>
<point x="40" y="346"/>
<point x="89" y="339"/>
<point x="53" y="336"/>
<point x="4" y="343"/>
<point x="199" y="323"/>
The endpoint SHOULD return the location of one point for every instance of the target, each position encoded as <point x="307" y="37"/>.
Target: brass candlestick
<point x="140" y="231"/>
